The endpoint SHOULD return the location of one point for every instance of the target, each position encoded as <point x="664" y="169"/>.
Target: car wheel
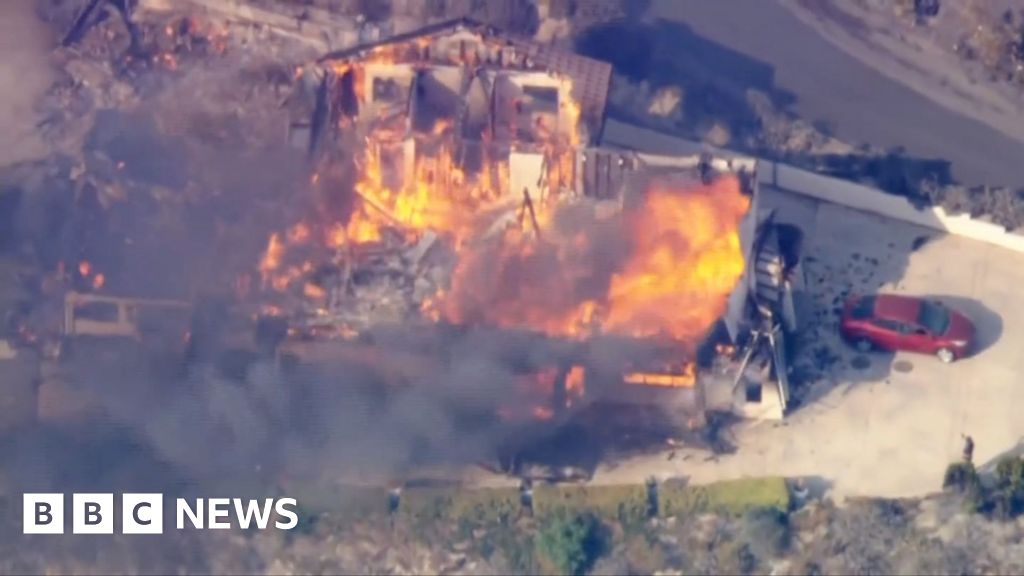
<point x="945" y="355"/>
<point x="862" y="345"/>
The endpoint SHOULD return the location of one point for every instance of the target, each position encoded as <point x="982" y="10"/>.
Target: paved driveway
<point x="880" y="424"/>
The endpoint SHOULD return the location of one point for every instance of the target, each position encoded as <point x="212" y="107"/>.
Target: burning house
<point x="462" y="194"/>
<point x="456" y="227"/>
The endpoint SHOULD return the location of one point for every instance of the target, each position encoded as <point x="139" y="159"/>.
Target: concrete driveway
<point x="880" y="424"/>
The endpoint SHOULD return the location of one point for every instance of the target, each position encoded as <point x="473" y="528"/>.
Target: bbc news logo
<point x="144" y="513"/>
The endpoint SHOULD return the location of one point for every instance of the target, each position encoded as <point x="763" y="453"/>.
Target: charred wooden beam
<point x="373" y="203"/>
<point x="321" y="117"/>
<point x="94" y="13"/>
<point x="87" y="18"/>
<point x="528" y="205"/>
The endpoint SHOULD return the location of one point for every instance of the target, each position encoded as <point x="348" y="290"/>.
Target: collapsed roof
<point x="459" y="132"/>
<point x="477" y="46"/>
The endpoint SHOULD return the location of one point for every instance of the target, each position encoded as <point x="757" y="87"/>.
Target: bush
<point x="570" y="542"/>
<point x="1008" y="497"/>
<point x="475" y="506"/>
<point x="766" y="531"/>
<point x="1010" y="473"/>
<point x="508" y="543"/>
<point x="343" y="503"/>
<point x="643" y="555"/>
<point x="960" y="477"/>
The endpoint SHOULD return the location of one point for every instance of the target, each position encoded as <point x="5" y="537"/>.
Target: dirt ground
<point x="25" y="73"/>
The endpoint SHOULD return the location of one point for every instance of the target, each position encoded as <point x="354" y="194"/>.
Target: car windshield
<point x="934" y="317"/>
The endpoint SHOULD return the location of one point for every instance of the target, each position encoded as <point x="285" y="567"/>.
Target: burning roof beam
<point x="469" y="44"/>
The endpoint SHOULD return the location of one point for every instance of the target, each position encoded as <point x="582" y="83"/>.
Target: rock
<point x="453" y="563"/>
<point x="668" y="540"/>
<point x="461" y="546"/>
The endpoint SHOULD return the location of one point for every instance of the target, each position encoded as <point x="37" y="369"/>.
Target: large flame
<point x="661" y="267"/>
<point x="434" y="193"/>
<point x="686" y="259"/>
<point x="680" y="258"/>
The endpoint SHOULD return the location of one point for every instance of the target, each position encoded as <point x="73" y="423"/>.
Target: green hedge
<point x="481" y="505"/>
<point x="343" y="502"/>
<point x="486" y="506"/>
<point x="735" y="497"/>
<point x="625" y="502"/>
<point x="424" y="504"/>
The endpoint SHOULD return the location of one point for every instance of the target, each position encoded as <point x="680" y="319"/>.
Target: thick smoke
<point x="536" y="282"/>
<point x="347" y="419"/>
<point x="173" y="202"/>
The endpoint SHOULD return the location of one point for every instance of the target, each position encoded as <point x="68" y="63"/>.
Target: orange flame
<point x="687" y="260"/>
<point x="313" y="291"/>
<point x="687" y="379"/>
<point x="684" y="260"/>
<point x="272" y="256"/>
<point x="574" y="384"/>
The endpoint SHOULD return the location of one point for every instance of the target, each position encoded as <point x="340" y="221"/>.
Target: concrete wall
<point x="823" y="188"/>
<point x="875" y="201"/>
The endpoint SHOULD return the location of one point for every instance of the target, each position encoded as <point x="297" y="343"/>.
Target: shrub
<point x="1008" y="496"/>
<point x="975" y="498"/>
<point x="960" y="477"/>
<point x="766" y="531"/>
<point x="1010" y="473"/>
<point x="643" y="555"/>
<point x="570" y="542"/>
<point x="343" y="503"/>
<point x="511" y="544"/>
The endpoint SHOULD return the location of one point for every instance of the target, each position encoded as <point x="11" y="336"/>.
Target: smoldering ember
<point x="370" y="264"/>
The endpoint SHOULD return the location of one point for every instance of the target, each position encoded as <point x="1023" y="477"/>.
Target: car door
<point x="917" y="338"/>
<point x="886" y="333"/>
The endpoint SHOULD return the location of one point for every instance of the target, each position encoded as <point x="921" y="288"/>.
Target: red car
<point x="891" y="322"/>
